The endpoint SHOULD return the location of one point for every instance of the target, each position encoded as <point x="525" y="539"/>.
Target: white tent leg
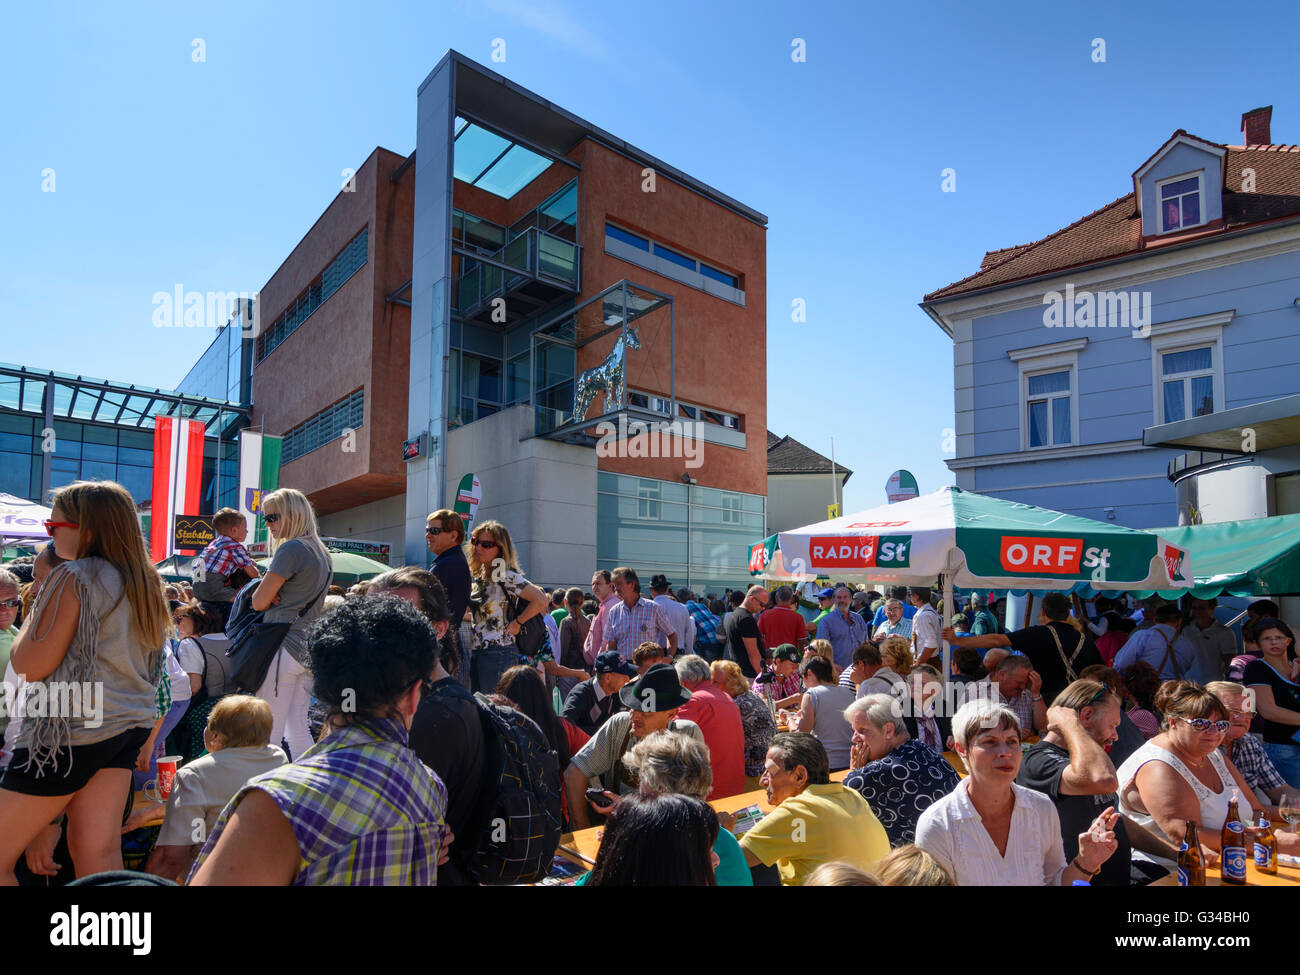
<point x="946" y="650"/>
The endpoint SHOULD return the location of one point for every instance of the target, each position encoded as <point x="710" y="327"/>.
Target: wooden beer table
<point x="1286" y="876"/>
<point x="146" y="811"/>
<point x="582" y="846"/>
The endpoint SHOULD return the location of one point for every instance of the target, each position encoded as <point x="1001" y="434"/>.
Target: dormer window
<point x="1180" y="202"/>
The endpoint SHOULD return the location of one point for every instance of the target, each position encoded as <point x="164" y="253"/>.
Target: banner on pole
<point x="177" y="474"/>
<point x="468" y="496"/>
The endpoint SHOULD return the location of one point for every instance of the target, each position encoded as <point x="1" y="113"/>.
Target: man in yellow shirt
<point x="815" y="820"/>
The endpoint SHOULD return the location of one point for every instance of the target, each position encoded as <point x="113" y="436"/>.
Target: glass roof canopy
<point x="493" y="163"/>
<point x="102" y="401"/>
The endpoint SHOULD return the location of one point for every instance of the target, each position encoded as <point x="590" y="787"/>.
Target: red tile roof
<point x="1116" y="229"/>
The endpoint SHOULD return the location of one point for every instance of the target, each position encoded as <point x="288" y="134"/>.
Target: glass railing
<point x="535" y="255"/>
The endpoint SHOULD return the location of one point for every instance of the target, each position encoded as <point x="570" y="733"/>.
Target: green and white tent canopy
<point x="1258" y="557"/>
<point x="978" y="541"/>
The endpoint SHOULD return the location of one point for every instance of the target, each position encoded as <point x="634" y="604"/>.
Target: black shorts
<point x="63" y="779"/>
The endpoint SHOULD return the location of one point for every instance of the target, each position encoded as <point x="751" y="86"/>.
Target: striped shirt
<point x="365" y="810"/>
<point x="627" y="627"/>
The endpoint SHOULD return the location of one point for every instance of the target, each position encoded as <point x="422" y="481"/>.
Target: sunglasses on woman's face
<point x="1205" y="724"/>
<point x="272" y="518"/>
<point x="485" y="543"/>
<point x="51" y="525"/>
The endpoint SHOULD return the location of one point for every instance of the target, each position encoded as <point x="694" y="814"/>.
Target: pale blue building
<point x="1142" y="364"/>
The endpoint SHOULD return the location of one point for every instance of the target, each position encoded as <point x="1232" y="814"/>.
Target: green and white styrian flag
<point x="982" y="542"/>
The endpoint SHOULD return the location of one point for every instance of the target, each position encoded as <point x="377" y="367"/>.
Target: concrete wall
<point x="543" y="491"/>
<point x="795" y="500"/>
<point x="430" y="291"/>
<point x="1116" y="389"/>
<point x="379" y="521"/>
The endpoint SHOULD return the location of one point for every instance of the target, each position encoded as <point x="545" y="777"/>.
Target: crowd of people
<point x="450" y="724"/>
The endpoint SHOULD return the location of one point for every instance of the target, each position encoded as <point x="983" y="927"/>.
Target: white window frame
<point x="1037" y="361"/>
<point x="1180" y="336"/>
<point x="1200" y="193"/>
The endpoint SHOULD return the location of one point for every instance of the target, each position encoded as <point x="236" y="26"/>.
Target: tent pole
<point x="948" y="597"/>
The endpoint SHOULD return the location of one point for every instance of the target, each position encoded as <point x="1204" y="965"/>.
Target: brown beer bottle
<point x="1232" y="846"/>
<point x="1191" y="866"/>
<point x="1265" y="847"/>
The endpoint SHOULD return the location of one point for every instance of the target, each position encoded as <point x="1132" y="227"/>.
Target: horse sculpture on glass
<point x="610" y="378"/>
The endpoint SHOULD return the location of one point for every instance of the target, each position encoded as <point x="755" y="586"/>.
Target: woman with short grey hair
<point x="991" y="832"/>
<point x="899" y="776"/>
<point x="667" y="762"/>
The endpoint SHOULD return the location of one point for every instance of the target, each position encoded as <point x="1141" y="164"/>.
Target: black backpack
<point x="521" y="820"/>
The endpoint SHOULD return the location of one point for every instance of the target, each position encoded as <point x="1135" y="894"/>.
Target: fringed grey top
<point x="103" y="686"/>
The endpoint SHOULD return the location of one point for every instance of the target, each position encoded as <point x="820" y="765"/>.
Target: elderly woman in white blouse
<point x="991" y="832"/>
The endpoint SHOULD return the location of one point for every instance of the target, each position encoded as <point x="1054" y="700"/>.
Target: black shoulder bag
<point x="254" y="643"/>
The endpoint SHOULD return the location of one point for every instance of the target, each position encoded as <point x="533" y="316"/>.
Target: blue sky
<point x="207" y="174"/>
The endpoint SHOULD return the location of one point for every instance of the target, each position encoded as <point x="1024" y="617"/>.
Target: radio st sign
<point x="860" y="551"/>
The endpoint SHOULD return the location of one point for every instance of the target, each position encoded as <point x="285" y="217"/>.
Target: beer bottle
<point x="1265" y="847"/>
<point x="1232" y="846"/>
<point x="1191" y="866"/>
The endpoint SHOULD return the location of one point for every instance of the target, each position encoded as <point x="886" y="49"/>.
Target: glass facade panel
<point x="15" y="473"/>
<point x="1038" y="424"/>
<point x="1174" y="401"/>
<point x="1061" y="420"/>
<point x="1052" y="382"/>
<point x="1189" y="360"/>
<point x="670" y="527"/>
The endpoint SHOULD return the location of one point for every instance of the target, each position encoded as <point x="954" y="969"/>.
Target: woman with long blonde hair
<point x="497" y="586"/>
<point x="90" y="650"/>
<point x="292" y="591"/>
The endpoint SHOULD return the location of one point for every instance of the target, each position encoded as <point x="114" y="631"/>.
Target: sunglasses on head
<point x="1205" y="724"/>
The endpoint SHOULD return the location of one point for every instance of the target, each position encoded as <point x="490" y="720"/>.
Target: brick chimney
<point x="1255" y="126"/>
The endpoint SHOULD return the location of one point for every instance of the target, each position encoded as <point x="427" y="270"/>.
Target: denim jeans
<point x="465" y="640"/>
<point x="1287" y="760"/>
<point x="490" y="662"/>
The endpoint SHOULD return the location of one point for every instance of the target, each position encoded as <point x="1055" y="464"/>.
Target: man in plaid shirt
<point x="223" y="556"/>
<point x="707" y="643"/>
<point x="1245" y="750"/>
<point x="635" y="620"/>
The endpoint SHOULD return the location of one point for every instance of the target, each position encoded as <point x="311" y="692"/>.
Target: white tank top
<point x="1214" y="805"/>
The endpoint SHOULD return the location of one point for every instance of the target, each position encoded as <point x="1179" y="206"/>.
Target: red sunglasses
<point x="51" y="525"/>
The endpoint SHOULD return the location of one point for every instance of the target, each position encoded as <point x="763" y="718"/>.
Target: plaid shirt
<point x="224" y="555"/>
<point x="365" y="810"/>
<point x="628" y="628"/>
<point x="1247" y="753"/>
<point x="706" y="624"/>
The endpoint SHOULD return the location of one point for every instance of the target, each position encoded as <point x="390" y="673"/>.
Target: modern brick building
<point x="526" y="245"/>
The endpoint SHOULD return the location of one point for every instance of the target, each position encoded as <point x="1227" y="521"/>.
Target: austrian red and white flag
<point x="177" y="474"/>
